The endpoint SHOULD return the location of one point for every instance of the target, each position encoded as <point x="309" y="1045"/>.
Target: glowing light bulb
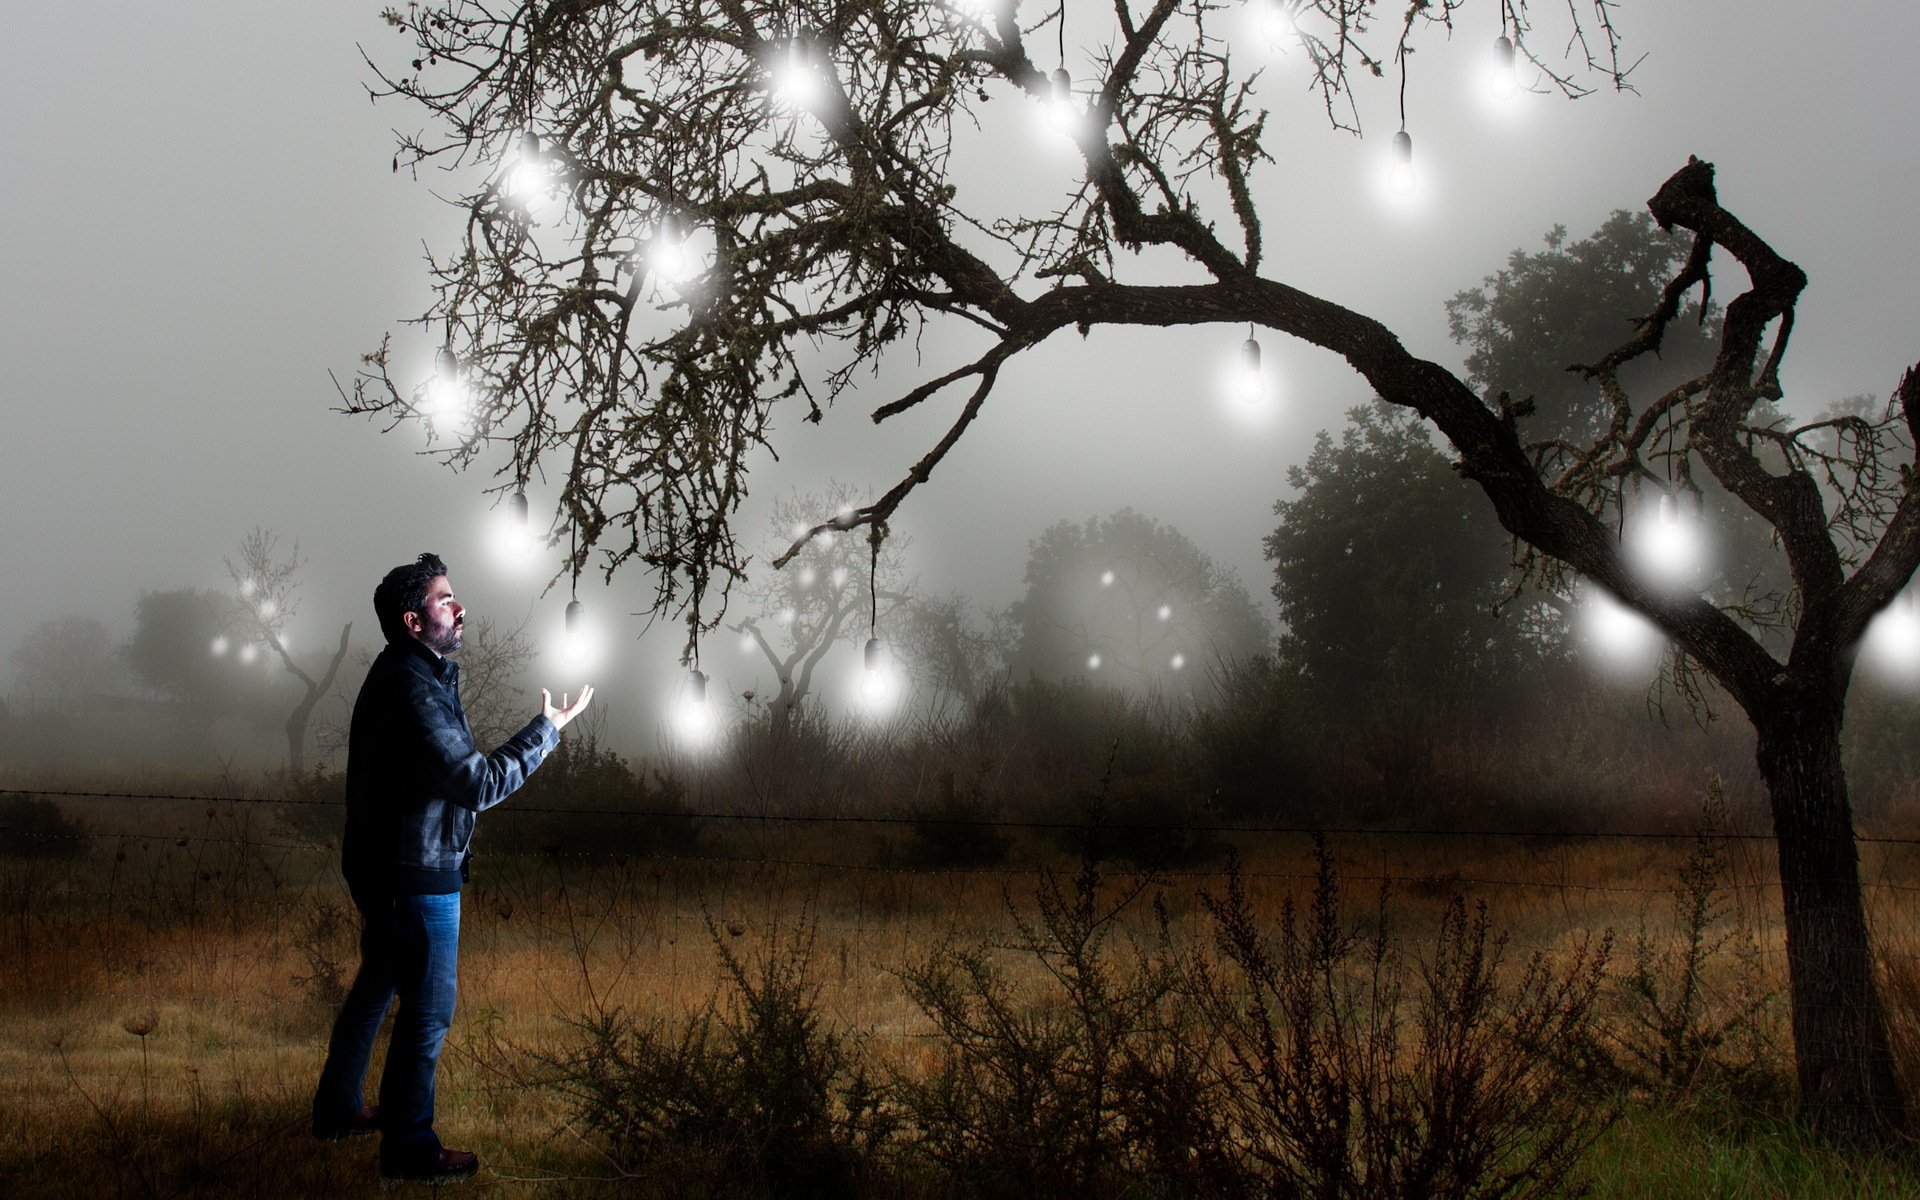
<point x="574" y="639"/>
<point x="1178" y="662"/>
<point x="249" y="652"/>
<point x="1106" y="579"/>
<point x="874" y="679"/>
<point x="219" y="646"/>
<point x="672" y="260"/>
<point x="1503" y="79"/>
<point x="1250" y="382"/>
<point x="445" y="395"/>
<point x="797" y="80"/>
<point x="531" y="172"/>
<point x="519" y="533"/>
<point x="1670" y="548"/>
<point x="693" y="717"/>
<point x="1061" y="113"/>
<point x="1166" y="612"/>
<point x="1400" y="176"/>
<point x="1093" y="662"/>
<point x="839" y="576"/>
<point x="1276" y="23"/>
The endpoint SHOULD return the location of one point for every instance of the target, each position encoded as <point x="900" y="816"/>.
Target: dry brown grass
<point x="198" y="932"/>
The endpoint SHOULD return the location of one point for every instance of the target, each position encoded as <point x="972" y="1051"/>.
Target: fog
<point x="203" y="233"/>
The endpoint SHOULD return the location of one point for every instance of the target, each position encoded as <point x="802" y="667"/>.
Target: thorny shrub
<point x="1352" y="1068"/>
<point x="751" y="1095"/>
<point x="1693" y="1004"/>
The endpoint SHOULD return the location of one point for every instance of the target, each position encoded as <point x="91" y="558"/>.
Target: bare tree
<point x="837" y="588"/>
<point x="269" y="597"/>
<point x="682" y="215"/>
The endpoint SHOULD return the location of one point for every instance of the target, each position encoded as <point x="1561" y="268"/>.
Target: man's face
<point x="441" y="619"/>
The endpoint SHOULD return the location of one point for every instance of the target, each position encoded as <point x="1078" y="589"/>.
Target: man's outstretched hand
<point x="566" y="712"/>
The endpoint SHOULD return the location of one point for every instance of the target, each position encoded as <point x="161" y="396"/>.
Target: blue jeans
<point x="409" y="946"/>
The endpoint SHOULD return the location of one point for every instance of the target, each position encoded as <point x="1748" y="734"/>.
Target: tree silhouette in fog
<point x="837" y="589"/>
<point x="1127" y="600"/>
<point x="269" y="597"/>
<point x="682" y="217"/>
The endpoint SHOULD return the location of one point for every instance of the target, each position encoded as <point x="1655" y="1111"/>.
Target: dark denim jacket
<point x="415" y="779"/>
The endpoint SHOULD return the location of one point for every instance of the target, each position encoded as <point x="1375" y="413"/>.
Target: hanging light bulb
<point x="1275" y="18"/>
<point x="519" y="528"/>
<point x="1671" y="547"/>
<point x="445" y="396"/>
<point x="672" y="259"/>
<point x="530" y="170"/>
<point x="1503" y="79"/>
<point x="796" y="79"/>
<point x="876" y="662"/>
<point x="693" y="716"/>
<point x="1061" y="113"/>
<point x="1400" y="177"/>
<point x="1250" y="382"/>
<point x="574" y="640"/>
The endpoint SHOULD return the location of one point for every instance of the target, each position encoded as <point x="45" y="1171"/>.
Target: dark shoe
<point x="362" y="1123"/>
<point x="449" y="1166"/>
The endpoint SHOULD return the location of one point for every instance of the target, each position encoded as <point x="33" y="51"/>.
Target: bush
<point x="1692" y="1001"/>
<point x="955" y="830"/>
<point x="1342" y="1080"/>
<point x="33" y="827"/>
<point x="751" y="1096"/>
<point x="1095" y="1087"/>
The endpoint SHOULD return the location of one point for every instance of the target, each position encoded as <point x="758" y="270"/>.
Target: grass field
<point x="165" y="994"/>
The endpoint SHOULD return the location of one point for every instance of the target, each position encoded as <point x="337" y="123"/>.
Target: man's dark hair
<point x="404" y="590"/>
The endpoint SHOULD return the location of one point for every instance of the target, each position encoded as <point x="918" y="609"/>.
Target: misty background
<point x="203" y="228"/>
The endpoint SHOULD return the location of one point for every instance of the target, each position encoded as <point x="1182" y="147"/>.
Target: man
<point x="415" y="780"/>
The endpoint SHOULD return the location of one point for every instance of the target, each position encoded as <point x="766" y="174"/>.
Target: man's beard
<point x="443" y="639"/>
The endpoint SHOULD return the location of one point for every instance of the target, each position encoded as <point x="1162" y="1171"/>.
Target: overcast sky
<point x="201" y="225"/>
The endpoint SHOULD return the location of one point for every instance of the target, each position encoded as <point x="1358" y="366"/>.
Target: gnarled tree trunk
<point x="1841" y="1053"/>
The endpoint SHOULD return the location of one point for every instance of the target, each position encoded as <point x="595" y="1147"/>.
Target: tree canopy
<point x="1389" y="569"/>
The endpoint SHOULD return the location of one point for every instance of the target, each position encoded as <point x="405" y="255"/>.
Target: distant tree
<point x="70" y="658"/>
<point x="1390" y="571"/>
<point x="1129" y="600"/>
<point x="490" y="664"/>
<point x="953" y="651"/>
<point x="1571" y="303"/>
<point x="831" y="592"/>
<point x="268" y="599"/>
<point x="183" y="648"/>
